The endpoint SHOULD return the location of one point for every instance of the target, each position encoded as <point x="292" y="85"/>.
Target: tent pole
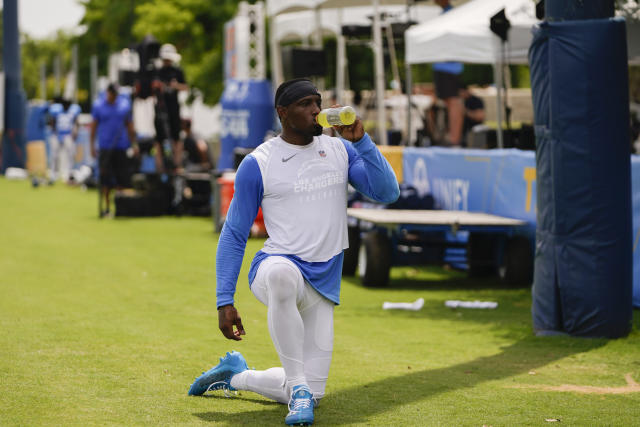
<point x="409" y="88"/>
<point x="317" y="43"/>
<point x="392" y="54"/>
<point x="317" y="34"/>
<point x="408" y="84"/>
<point x="497" y="77"/>
<point x="379" y="75"/>
<point x="341" y="59"/>
<point x="43" y="81"/>
<point x="276" y="57"/>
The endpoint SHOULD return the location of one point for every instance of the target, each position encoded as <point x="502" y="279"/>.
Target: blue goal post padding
<point x="635" y="201"/>
<point x="583" y="265"/>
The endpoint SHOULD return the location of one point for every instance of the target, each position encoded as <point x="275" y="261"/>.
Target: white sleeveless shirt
<point x="305" y="197"/>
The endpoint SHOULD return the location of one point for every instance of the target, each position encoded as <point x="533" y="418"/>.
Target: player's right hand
<point x="228" y="317"/>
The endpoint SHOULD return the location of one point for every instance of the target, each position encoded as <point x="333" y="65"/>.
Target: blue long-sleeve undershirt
<point x="369" y="173"/>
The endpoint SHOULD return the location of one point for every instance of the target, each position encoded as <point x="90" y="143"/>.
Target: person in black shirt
<point x="169" y="81"/>
<point x="474" y="113"/>
<point x="196" y="150"/>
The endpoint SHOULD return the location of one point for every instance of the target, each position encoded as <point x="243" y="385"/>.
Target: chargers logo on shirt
<point x="317" y="175"/>
<point x="322" y="153"/>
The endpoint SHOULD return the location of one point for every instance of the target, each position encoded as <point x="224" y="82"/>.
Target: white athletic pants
<point x="301" y="326"/>
<point x="54" y="150"/>
<point x="62" y="157"/>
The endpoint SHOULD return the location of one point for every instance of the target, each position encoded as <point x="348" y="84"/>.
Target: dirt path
<point x="631" y="387"/>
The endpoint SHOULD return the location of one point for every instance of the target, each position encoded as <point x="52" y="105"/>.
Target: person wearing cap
<point x="300" y="180"/>
<point x="169" y="81"/>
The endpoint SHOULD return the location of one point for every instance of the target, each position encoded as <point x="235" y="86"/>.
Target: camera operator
<point x="169" y="81"/>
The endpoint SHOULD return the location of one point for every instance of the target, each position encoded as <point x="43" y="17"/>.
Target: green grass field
<point x="108" y="322"/>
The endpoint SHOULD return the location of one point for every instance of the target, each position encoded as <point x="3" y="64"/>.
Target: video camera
<point x="148" y="51"/>
<point x="137" y="68"/>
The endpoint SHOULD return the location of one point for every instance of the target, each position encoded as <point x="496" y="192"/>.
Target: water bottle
<point x="341" y="116"/>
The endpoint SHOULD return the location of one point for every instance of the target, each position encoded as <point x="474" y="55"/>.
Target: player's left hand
<point x="354" y="132"/>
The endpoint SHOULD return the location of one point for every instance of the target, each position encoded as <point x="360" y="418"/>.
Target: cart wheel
<point x="517" y="262"/>
<point x="350" y="262"/>
<point x="481" y="255"/>
<point x="374" y="260"/>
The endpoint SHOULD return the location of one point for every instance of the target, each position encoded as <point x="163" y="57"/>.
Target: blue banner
<point x="36" y="121"/>
<point x="500" y="182"/>
<point x="247" y="116"/>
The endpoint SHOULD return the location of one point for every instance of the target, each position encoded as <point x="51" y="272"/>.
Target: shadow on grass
<point x="359" y="403"/>
<point x="258" y="401"/>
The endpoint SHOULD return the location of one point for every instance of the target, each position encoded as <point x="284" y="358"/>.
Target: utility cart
<point x="483" y="244"/>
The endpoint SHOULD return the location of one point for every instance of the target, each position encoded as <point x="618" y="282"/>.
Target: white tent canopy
<point x="276" y="7"/>
<point x="301" y="25"/>
<point x="342" y="3"/>
<point x="463" y="34"/>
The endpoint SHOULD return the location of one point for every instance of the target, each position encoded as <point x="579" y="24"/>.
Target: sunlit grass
<point x="109" y="321"/>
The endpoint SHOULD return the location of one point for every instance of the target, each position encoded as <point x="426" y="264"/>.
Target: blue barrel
<point x="36" y="122"/>
<point x="247" y="116"/>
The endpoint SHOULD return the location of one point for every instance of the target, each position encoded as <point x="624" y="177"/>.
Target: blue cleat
<point x="300" y="407"/>
<point x="219" y="377"/>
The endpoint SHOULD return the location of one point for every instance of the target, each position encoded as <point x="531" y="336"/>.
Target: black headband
<point x="296" y="90"/>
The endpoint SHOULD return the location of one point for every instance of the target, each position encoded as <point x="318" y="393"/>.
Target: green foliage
<point x="196" y="28"/>
<point x="109" y="321"/>
<point x="630" y="9"/>
<point x="1" y="35"/>
<point x="35" y="53"/>
<point x="521" y="76"/>
<point x="634" y="83"/>
<point x="361" y="65"/>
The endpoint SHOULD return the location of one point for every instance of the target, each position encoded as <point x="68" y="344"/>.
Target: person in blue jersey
<point x="446" y="79"/>
<point x="64" y="115"/>
<point x="300" y="180"/>
<point x="113" y="125"/>
<point x="66" y="128"/>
